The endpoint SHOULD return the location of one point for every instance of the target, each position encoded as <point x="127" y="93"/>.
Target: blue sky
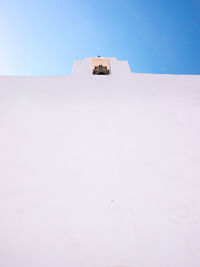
<point x="40" y="37"/>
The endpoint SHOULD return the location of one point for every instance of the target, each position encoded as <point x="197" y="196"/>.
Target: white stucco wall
<point x="100" y="171"/>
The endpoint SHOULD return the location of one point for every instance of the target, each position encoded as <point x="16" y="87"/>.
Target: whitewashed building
<point x="100" y="170"/>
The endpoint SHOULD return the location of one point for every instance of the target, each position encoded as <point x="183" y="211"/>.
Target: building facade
<point x="100" y="168"/>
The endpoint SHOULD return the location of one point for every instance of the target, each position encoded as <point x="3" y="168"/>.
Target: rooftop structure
<point x="100" y="170"/>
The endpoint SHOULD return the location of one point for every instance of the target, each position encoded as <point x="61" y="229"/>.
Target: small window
<point x="100" y="66"/>
<point x="100" y="70"/>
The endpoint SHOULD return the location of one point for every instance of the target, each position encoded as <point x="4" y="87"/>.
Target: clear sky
<point x="43" y="37"/>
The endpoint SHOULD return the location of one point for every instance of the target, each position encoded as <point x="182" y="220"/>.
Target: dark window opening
<point x="101" y="70"/>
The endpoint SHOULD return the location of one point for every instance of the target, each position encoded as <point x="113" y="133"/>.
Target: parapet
<point x="101" y="66"/>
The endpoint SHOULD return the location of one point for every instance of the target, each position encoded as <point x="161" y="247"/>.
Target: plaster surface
<point x="100" y="171"/>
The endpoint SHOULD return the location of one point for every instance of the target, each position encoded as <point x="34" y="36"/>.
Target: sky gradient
<point x="43" y="37"/>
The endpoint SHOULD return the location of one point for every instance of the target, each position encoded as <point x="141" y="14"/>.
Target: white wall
<point x="100" y="171"/>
